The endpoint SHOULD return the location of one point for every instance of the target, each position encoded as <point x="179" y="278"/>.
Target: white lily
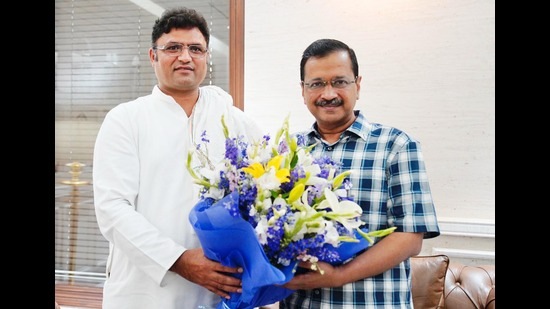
<point x="261" y="231"/>
<point x="345" y="212"/>
<point x="331" y="236"/>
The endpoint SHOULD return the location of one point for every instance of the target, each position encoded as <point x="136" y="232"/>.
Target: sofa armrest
<point x="428" y="280"/>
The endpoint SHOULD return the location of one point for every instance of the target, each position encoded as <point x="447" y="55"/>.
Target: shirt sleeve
<point x="116" y="181"/>
<point x="410" y="204"/>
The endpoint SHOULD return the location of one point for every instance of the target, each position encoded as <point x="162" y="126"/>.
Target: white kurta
<point x="143" y="194"/>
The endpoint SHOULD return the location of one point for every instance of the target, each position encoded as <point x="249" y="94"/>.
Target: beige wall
<point x="428" y="68"/>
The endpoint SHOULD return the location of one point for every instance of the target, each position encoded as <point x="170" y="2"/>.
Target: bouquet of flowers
<point x="269" y="205"/>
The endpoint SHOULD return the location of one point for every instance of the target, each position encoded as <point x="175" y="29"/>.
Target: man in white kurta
<point x="143" y="193"/>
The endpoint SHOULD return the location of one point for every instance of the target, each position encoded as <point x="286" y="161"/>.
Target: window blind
<point x="101" y="60"/>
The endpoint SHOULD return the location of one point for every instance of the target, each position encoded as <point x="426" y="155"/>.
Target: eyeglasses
<point x="176" y="49"/>
<point x="338" y="83"/>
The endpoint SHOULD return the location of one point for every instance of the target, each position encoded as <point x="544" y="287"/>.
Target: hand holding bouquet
<point x="269" y="205"/>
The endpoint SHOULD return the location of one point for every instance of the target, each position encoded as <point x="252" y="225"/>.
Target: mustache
<point x="333" y="102"/>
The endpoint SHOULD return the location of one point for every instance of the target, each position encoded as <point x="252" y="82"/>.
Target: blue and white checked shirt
<point x="390" y="183"/>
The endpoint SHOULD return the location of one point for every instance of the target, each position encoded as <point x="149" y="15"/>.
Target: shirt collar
<point x="360" y="128"/>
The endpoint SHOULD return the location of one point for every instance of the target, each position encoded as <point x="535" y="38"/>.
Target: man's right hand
<point x="197" y="268"/>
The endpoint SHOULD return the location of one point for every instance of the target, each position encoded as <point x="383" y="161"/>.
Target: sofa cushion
<point x="428" y="280"/>
<point x="470" y="287"/>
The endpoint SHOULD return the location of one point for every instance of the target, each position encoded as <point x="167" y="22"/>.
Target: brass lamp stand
<point x="75" y="182"/>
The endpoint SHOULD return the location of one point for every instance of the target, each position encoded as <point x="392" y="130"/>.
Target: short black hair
<point x="180" y="17"/>
<point x="323" y="47"/>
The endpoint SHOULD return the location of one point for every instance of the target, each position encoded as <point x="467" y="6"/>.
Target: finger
<point x="224" y="290"/>
<point x="231" y="270"/>
<point x="220" y="293"/>
<point x="228" y="278"/>
<point x="230" y="284"/>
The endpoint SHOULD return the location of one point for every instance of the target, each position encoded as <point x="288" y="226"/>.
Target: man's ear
<point x="152" y="53"/>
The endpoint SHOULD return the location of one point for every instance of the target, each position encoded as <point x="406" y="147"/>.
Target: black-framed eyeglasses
<point x="176" y="49"/>
<point x="338" y="83"/>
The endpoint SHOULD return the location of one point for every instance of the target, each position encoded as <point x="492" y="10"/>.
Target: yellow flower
<point x="257" y="170"/>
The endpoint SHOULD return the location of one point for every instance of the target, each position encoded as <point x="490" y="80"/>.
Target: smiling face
<point x="179" y="74"/>
<point x="331" y="106"/>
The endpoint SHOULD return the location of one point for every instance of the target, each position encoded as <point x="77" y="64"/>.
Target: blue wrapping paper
<point x="232" y="241"/>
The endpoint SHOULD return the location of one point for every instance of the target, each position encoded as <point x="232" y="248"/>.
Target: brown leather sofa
<point x="440" y="283"/>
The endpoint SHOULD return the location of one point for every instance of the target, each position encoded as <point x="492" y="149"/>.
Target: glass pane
<point x="101" y="60"/>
